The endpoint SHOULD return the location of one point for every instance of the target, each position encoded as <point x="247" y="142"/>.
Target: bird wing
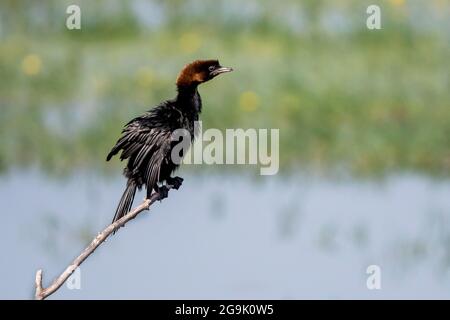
<point x="145" y="147"/>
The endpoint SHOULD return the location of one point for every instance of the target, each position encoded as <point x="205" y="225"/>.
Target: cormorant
<point x="147" y="140"/>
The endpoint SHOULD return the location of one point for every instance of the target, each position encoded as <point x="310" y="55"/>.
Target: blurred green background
<point x="345" y="97"/>
<point x="350" y="103"/>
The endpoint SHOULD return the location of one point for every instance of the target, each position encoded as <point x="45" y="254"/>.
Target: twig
<point x="42" y="293"/>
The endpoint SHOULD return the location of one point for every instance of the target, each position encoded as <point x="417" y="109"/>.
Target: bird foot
<point x="163" y="192"/>
<point x="175" y="182"/>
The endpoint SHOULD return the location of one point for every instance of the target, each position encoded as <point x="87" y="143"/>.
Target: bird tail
<point x="126" y="201"/>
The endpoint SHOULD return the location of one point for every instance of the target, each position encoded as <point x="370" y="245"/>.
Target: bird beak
<point x="221" y="70"/>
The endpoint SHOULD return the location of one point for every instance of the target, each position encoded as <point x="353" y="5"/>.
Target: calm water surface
<point x="231" y="237"/>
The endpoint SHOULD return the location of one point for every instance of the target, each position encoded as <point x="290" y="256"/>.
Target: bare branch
<point x="42" y="293"/>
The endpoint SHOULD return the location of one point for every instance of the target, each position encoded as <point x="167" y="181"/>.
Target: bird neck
<point x="187" y="91"/>
<point x="188" y="97"/>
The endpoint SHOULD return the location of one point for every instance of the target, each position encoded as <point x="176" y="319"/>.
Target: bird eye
<point x="211" y="68"/>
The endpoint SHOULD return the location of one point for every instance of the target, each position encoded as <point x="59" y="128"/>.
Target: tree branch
<point x="42" y="293"/>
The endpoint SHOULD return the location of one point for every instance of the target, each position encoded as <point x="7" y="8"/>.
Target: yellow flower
<point x="31" y="65"/>
<point x="144" y="77"/>
<point x="100" y="84"/>
<point x="249" y="101"/>
<point x="190" y="42"/>
<point x="398" y="3"/>
<point x="440" y="4"/>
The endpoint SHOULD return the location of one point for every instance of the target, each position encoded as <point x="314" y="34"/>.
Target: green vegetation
<point x="343" y="97"/>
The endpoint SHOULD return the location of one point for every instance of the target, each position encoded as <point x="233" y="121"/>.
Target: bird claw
<point x="175" y="182"/>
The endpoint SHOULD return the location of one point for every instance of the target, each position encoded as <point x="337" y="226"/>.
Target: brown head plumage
<point x="200" y="71"/>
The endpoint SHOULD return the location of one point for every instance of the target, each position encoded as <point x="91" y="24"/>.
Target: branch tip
<point x="42" y="293"/>
<point x="38" y="281"/>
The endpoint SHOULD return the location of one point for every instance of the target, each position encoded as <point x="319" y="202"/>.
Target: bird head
<point x="200" y="71"/>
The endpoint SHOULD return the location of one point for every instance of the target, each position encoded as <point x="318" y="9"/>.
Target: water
<point x="230" y="237"/>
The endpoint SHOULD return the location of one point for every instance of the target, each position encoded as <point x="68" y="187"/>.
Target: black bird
<point x="147" y="140"/>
